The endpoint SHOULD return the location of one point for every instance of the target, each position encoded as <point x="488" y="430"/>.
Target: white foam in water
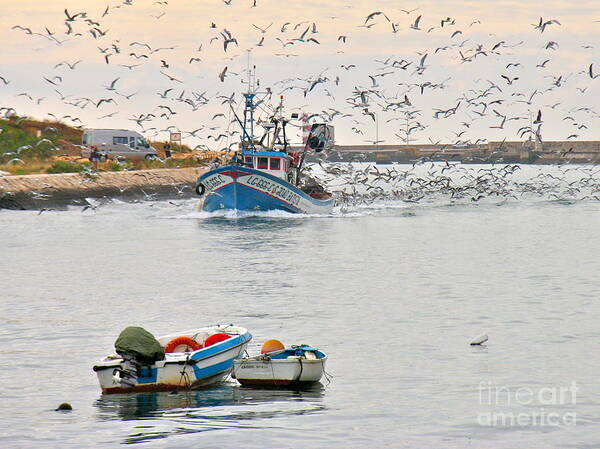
<point x="237" y="214"/>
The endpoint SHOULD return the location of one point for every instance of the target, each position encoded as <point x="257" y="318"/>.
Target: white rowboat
<point x="295" y="366"/>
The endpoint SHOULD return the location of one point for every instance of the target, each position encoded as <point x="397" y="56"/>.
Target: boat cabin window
<point x="248" y="161"/>
<point x="263" y="162"/>
<point x="275" y="163"/>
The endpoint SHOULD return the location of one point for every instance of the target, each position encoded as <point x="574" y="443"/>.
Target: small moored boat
<point x="295" y="366"/>
<point x="184" y="360"/>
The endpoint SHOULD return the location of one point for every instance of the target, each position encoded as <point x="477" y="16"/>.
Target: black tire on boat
<point x="200" y="189"/>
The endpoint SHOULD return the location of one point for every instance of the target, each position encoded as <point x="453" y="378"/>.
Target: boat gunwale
<point x="255" y="359"/>
<point x="184" y="358"/>
<point x="270" y="177"/>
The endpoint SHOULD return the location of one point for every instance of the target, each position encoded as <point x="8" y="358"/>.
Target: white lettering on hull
<point x="267" y="186"/>
<point x="272" y="188"/>
<point x="215" y="181"/>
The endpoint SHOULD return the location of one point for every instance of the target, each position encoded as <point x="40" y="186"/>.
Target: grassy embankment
<point x="31" y="146"/>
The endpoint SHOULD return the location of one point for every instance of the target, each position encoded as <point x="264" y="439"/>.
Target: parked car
<point x="117" y="144"/>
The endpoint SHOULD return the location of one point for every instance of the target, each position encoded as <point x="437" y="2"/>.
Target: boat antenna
<point x="249" y="107"/>
<point x="248" y="71"/>
<point x="283" y="125"/>
<point x="239" y="122"/>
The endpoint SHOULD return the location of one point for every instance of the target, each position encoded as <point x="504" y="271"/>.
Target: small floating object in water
<point x="271" y="346"/>
<point x="64" y="407"/>
<point x="479" y="340"/>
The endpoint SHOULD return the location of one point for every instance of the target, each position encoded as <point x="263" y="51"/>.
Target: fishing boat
<point x="265" y="174"/>
<point x="295" y="366"/>
<point x="184" y="360"/>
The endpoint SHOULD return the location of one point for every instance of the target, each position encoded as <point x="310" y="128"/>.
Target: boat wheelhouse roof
<point x="267" y="154"/>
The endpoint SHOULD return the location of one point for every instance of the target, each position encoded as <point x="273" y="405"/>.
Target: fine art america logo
<point x="527" y="407"/>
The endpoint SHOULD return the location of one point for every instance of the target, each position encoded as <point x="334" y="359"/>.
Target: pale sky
<point x="460" y="65"/>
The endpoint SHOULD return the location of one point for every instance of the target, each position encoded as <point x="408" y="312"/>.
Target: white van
<point x="116" y="144"/>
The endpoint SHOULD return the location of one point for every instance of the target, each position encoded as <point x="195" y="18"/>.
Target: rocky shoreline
<point x="56" y="190"/>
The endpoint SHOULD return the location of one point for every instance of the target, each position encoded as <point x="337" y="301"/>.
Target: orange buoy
<point x="182" y="344"/>
<point x="271" y="346"/>
<point x="215" y="338"/>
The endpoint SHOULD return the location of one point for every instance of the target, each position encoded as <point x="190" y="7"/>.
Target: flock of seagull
<point x="362" y="186"/>
<point x="411" y="96"/>
<point x="396" y="88"/>
<point x="365" y="185"/>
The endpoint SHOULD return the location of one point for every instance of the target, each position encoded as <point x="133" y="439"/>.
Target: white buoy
<point x="481" y="339"/>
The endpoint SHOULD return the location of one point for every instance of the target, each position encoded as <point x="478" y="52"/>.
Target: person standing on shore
<point x="167" y="150"/>
<point x="95" y="157"/>
<point x="216" y="163"/>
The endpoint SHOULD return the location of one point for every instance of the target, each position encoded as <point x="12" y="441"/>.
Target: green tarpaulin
<point x="140" y="343"/>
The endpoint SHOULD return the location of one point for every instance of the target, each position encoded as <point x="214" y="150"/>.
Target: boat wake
<point x="242" y="214"/>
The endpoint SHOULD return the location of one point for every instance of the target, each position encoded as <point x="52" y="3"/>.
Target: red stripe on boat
<point x="235" y="174"/>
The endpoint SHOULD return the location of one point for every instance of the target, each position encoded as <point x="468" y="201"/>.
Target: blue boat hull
<point x="246" y="189"/>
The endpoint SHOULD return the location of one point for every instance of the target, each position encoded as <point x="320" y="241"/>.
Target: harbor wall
<point x="551" y="152"/>
<point x="46" y="191"/>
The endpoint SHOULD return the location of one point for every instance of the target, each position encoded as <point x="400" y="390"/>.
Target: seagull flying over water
<point x="542" y="25"/>
<point x="415" y="26"/>
<point x="376" y="13"/>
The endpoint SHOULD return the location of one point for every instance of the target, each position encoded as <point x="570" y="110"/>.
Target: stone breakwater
<point x="551" y="152"/>
<point x="45" y="191"/>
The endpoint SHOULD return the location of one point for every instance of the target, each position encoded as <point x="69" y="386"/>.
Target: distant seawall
<point x="551" y="152"/>
<point x="45" y="191"/>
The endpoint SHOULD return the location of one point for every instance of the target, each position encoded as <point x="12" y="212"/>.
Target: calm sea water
<point x="392" y="290"/>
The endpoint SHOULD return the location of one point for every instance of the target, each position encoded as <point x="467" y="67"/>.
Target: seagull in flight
<point x="71" y="18"/>
<point x="415" y="26"/>
<point x="542" y="25"/>
<point x="222" y="74"/>
<point x="376" y="13"/>
<point x="263" y="30"/>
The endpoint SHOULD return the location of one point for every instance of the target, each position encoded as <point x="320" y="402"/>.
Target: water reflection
<point x="227" y="406"/>
<point x="255" y="222"/>
<point x="243" y="233"/>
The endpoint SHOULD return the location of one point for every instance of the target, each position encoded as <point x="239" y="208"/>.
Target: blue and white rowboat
<point x="180" y="370"/>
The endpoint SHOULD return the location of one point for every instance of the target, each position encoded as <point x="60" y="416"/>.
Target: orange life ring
<point x="188" y="342"/>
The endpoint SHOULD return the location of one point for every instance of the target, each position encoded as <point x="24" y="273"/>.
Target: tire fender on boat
<point x="180" y="341"/>
<point x="200" y="189"/>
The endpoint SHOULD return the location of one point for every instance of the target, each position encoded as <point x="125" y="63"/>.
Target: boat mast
<point x="249" y="120"/>
<point x="284" y="122"/>
<point x="249" y="108"/>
